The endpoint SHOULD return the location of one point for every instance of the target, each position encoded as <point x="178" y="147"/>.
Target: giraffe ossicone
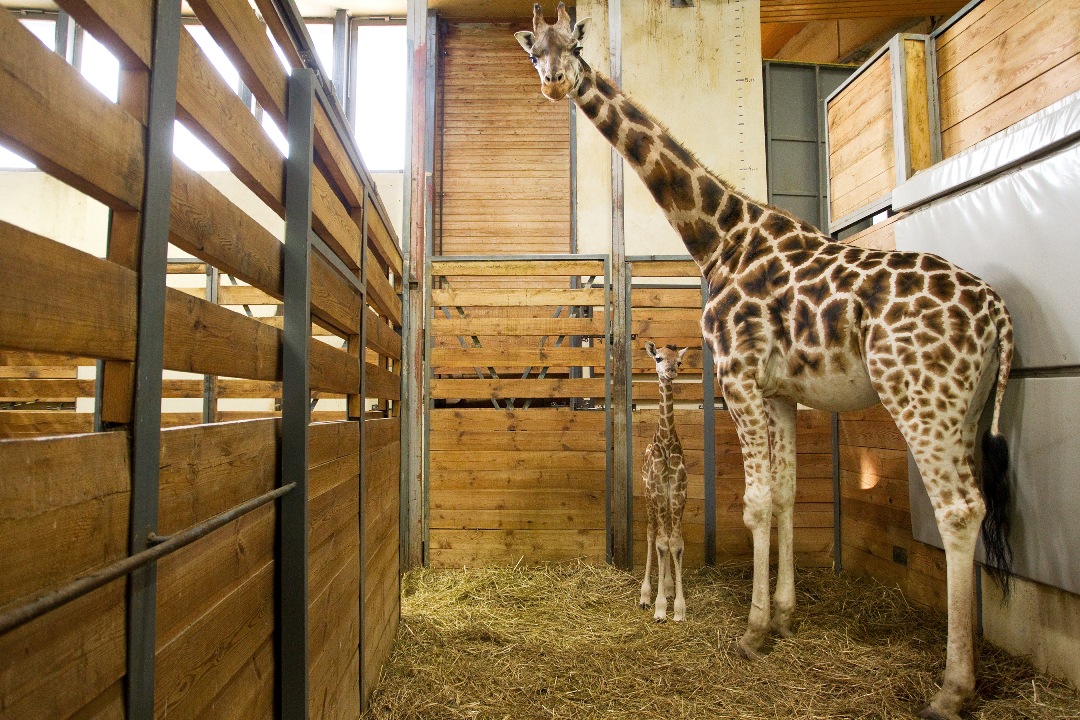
<point x="664" y="478"/>
<point x="794" y="317"/>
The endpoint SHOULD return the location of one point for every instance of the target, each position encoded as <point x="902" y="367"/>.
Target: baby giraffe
<point x="665" y="492"/>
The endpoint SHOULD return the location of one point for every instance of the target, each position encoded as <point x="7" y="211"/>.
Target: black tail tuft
<point x="997" y="494"/>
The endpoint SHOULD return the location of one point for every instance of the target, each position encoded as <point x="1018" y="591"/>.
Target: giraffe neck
<point x="701" y="207"/>
<point x="665" y="429"/>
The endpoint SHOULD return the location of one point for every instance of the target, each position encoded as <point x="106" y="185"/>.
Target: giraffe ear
<point x="579" y="30"/>
<point x="525" y="39"/>
<point x="682" y="352"/>
<point x="650" y="348"/>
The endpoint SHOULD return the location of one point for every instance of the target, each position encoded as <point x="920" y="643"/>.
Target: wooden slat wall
<point x="1003" y="61"/>
<point x="64" y="499"/>
<point x="503" y="160"/>
<point x="510" y="485"/>
<point x="862" y="159"/>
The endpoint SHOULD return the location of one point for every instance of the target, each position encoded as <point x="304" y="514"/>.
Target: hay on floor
<point x="568" y="641"/>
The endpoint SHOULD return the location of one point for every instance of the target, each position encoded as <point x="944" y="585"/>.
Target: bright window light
<point x="100" y="68"/>
<point x="216" y="55"/>
<point x="45" y="31"/>
<point x="322" y="36"/>
<point x="192" y="152"/>
<point x="381" y="64"/>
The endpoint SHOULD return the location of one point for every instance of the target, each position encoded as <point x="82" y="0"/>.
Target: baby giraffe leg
<point x="646" y="586"/>
<point x="662" y="542"/>
<point x="676" y="557"/>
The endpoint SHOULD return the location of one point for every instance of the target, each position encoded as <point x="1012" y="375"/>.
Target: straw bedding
<point x="568" y="641"/>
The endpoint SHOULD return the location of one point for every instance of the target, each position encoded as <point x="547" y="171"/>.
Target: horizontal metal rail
<point x="161" y="546"/>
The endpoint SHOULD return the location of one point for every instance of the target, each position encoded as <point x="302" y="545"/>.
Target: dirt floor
<point x="568" y="641"/>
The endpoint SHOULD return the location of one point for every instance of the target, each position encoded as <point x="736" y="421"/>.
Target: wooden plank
<point x="220" y="119"/>
<point x="53" y="117"/>
<point x="193" y="668"/>
<point x="381" y="294"/>
<point x="207" y="469"/>
<point x="533" y="418"/>
<point x="332" y="221"/>
<point x="456" y="459"/>
<point x="125" y="27"/>
<point x="381" y="337"/>
<point x="32" y="423"/>
<point x="382" y="383"/>
<point x="79" y="483"/>
<point x="333" y="299"/>
<point x="250" y="692"/>
<point x="383" y="242"/>
<point x="68" y="659"/>
<point x="333" y="370"/>
<point x="44" y="390"/>
<point x="555" y="327"/>
<point x="329" y="149"/>
<point x="206" y="224"/>
<point x="563" y="356"/>
<point x="515" y="388"/>
<point x="498" y="268"/>
<point x="524" y="297"/>
<point x="38" y="313"/>
<point x="205" y="338"/>
<point x="515" y="440"/>
<point x="918" y="106"/>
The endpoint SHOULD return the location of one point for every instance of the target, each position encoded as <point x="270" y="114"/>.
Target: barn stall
<point x="499" y="409"/>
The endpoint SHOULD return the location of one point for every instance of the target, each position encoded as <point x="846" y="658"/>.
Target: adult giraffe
<point x="793" y="317"/>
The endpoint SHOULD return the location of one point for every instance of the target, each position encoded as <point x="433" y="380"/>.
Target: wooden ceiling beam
<point x="801" y="11"/>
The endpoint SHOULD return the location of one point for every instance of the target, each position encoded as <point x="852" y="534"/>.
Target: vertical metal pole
<point x="414" y="244"/>
<point x="359" y="413"/>
<point x="341" y="54"/>
<point x="429" y="250"/>
<point x="838" y="555"/>
<point x="620" y="466"/>
<point x="149" y="354"/>
<point x="213" y="283"/>
<point x="609" y="440"/>
<point x="292" y="576"/>
<point x="708" y="394"/>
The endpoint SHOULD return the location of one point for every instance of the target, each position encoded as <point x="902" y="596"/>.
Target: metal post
<point x="341" y="54"/>
<point x="609" y="445"/>
<point x="292" y="575"/>
<point x="838" y="556"/>
<point x="708" y="405"/>
<point x="149" y="356"/>
<point x="358" y="413"/>
<point x="213" y="284"/>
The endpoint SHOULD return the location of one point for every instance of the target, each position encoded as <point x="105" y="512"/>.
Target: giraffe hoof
<point x="784" y="631"/>
<point x="746" y="653"/>
<point x="643" y="605"/>
<point x="931" y="713"/>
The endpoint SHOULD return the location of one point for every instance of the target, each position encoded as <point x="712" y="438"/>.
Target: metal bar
<point x="430" y="71"/>
<point x="609" y="441"/>
<point x="361" y="418"/>
<point x="866" y="211"/>
<point x="838" y="556"/>
<point x="160" y="548"/>
<point x="708" y="388"/>
<point x="533" y="256"/>
<point x="933" y="99"/>
<point x="213" y="281"/>
<point x="955" y="18"/>
<point x="149" y="356"/>
<point x="341" y="53"/>
<point x="332" y="257"/>
<point x="292" y="576"/>
<point x="351" y="53"/>
<point x="628" y="404"/>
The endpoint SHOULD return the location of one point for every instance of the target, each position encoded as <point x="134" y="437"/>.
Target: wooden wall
<point x="65" y="498"/>
<point x="502" y="149"/>
<point x="515" y="471"/>
<point x="1001" y="62"/>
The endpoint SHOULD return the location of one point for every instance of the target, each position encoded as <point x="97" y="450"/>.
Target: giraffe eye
<point x="533" y="59"/>
<point x="576" y="52"/>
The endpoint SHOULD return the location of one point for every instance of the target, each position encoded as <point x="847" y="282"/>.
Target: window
<point x="379" y="87"/>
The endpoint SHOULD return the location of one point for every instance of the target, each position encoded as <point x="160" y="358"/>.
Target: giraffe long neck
<point x="701" y="207"/>
<point x="665" y="429"/>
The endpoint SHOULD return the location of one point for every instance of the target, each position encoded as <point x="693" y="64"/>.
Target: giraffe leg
<point x="662" y="547"/>
<point x="945" y="458"/>
<point x="646" y="586"/>
<point x="782" y="458"/>
<point x="678" y="504"/>
<point x="747" y="408"/>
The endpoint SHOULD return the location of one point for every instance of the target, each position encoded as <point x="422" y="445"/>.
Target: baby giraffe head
<point x="668" y="359"/>
<point x="555" y="51"/>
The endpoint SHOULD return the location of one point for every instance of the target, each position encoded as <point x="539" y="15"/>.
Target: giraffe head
<point x="668" y="359"/>
<point x="555" y="51"/>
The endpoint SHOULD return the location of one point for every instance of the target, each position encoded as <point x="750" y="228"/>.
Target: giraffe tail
<point x="995" y="467"/>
